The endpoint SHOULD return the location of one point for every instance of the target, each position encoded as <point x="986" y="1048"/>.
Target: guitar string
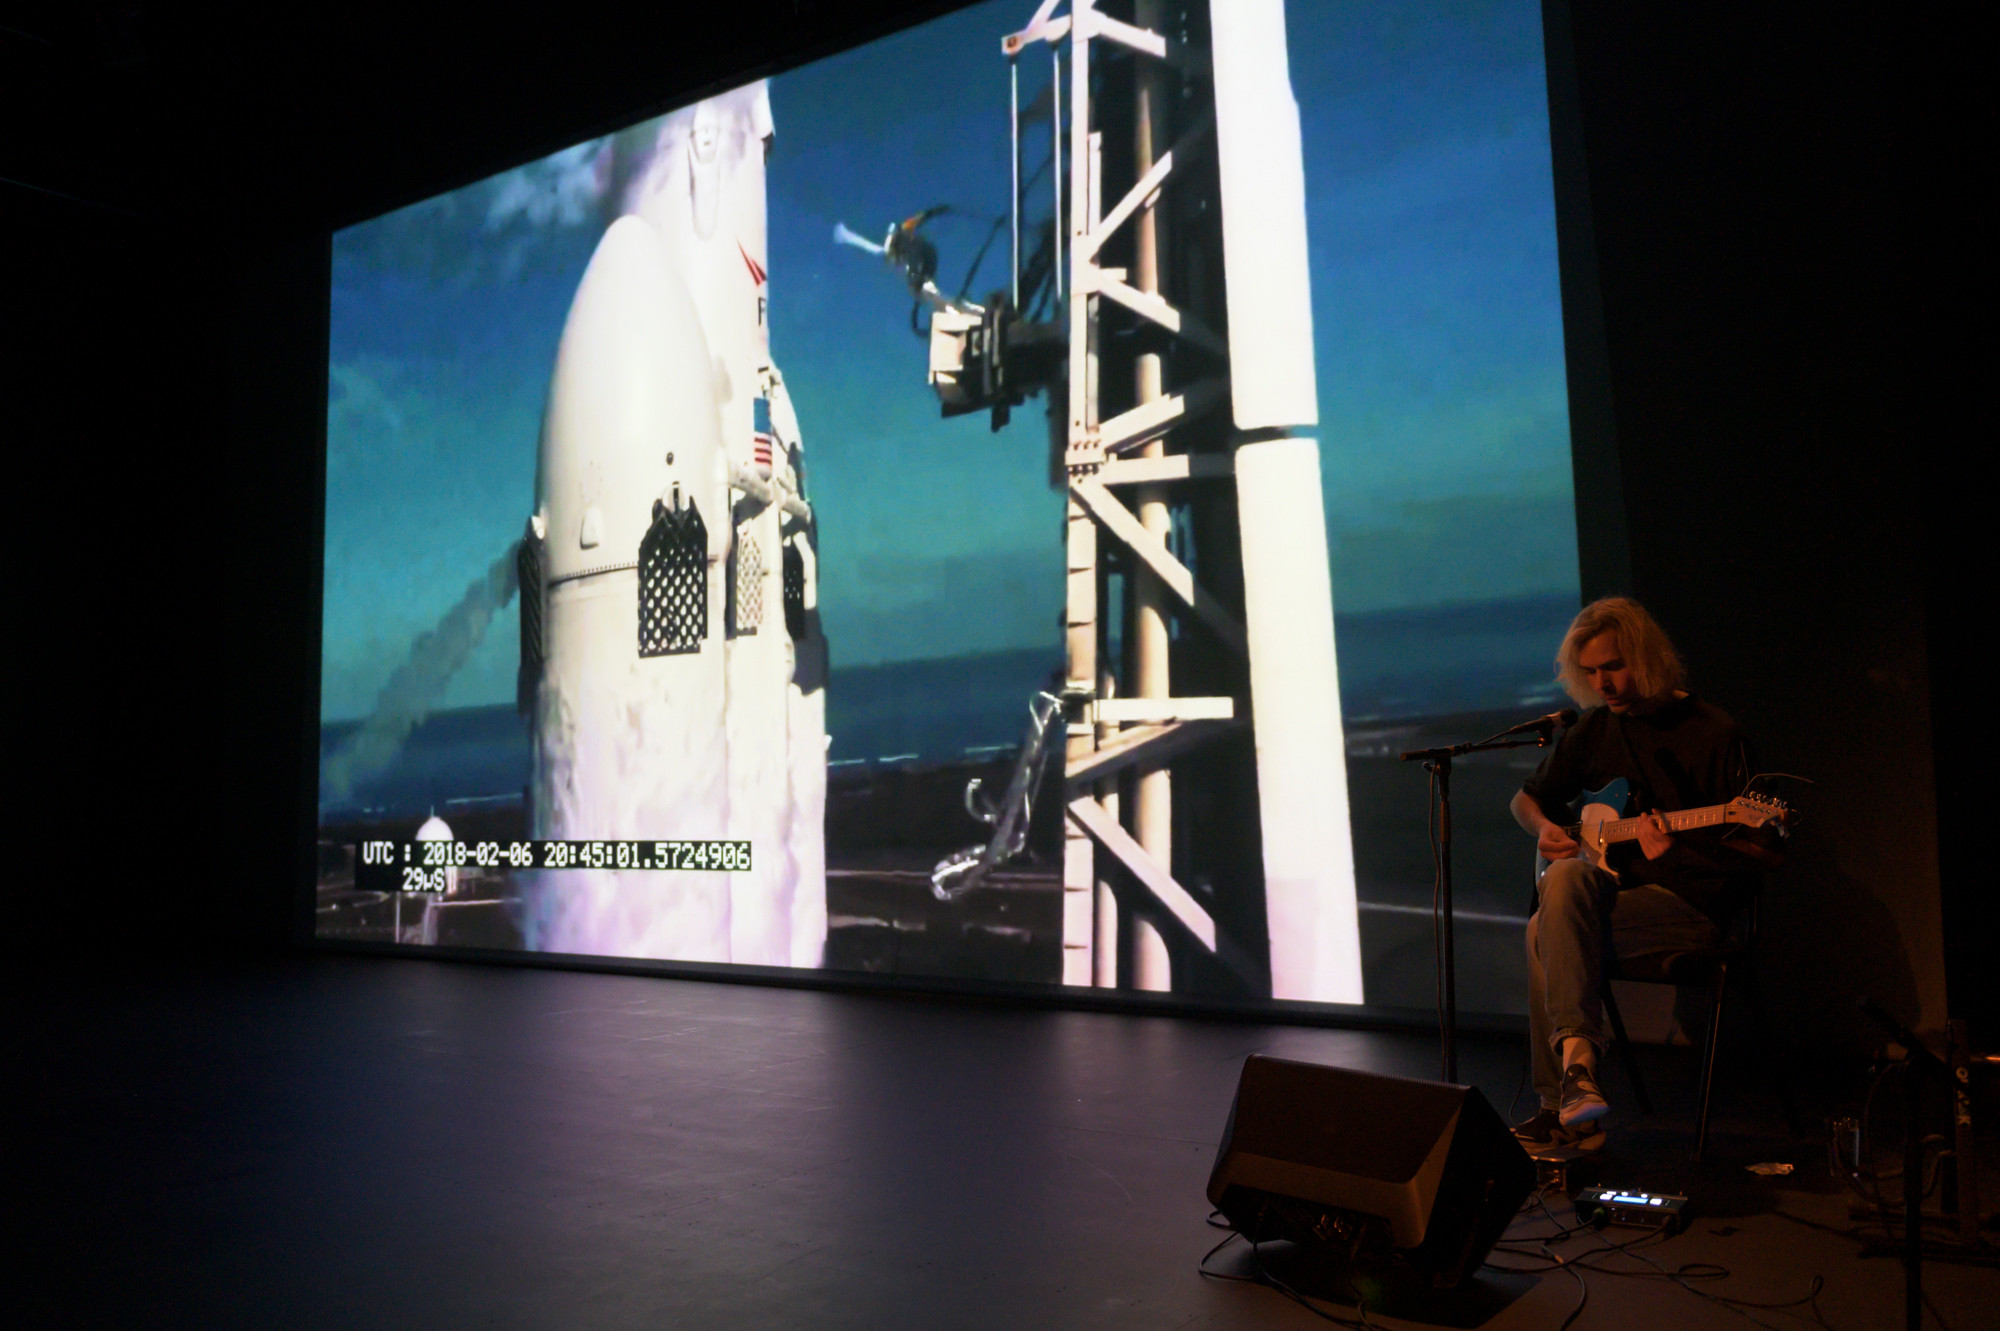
<point x="1679" y="820"/>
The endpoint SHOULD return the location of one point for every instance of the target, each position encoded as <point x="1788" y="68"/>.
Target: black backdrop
<point x="1778" y="220"/>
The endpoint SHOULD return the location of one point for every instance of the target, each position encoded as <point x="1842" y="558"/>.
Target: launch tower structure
<point x="1198" y="593"/>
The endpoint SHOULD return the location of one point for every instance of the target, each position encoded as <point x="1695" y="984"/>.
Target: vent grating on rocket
<point x="673" y="588"/>
<point x="746" y="583"/>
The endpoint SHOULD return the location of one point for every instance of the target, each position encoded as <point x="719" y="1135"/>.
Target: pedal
<point x="1564" y="1169"/>
<point x="1639" y="1210"/>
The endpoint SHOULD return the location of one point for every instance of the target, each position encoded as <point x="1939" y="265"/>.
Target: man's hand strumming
<point x="1553" y="844"/>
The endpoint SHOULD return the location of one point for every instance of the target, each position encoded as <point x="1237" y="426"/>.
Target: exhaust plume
<point x="418" y="683"/>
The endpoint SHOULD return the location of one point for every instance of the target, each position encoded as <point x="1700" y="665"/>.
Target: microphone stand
<point x="1438" y="763"/>
<point x="1917" y="1060"/>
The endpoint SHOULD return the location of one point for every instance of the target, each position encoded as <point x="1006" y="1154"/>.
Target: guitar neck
<point x="1627" y="829"/>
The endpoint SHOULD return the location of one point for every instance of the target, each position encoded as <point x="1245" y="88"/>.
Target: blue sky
<point x="1438" y="337"/>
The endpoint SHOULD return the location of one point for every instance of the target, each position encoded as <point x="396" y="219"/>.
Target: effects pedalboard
<point x="1644" y="1210"/>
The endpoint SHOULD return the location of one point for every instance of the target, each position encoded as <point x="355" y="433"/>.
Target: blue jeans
<point x="1583" y="917"/>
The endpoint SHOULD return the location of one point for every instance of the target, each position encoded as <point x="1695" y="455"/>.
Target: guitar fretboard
<point x="1627" y="829"/>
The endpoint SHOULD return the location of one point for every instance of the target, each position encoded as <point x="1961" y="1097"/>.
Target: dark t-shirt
<point x="1684" y="755"/>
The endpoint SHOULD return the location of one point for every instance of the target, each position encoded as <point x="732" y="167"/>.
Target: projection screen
<point x="989" y="505"/>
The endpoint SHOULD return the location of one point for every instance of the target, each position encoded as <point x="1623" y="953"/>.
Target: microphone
<point x="1553" y="721"/>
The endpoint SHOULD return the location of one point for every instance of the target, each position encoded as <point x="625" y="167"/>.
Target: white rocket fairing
<point x="671" y="703"/>
<point x="630" y="745"/>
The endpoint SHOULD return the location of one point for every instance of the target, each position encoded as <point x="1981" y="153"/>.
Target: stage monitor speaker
<point x="1362" y="1166"/>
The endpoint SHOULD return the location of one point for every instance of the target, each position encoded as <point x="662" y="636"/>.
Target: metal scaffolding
<point x="1125" y="914"/>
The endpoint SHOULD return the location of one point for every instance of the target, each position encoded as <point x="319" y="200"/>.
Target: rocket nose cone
<point x="632" y="384"/>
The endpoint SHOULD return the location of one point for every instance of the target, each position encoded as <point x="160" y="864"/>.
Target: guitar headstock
<point x="1754" y="810"/>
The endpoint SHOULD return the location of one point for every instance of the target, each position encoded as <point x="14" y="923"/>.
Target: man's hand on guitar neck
<point x="1654" y="839"/>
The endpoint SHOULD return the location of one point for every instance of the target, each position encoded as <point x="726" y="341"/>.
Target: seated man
<point x="1666" y="893"/>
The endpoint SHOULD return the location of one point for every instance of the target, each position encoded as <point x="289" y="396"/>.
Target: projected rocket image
<point x="669" y="662"/>
<point x="1025" y="511"/>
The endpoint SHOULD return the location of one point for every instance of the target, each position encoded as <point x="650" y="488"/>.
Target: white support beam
<point x="1149" y="420"/>
<point x="1148" y="306"/>
<point x="1141" y="424"/>
<point x="1140" y="194"/>
<point x="1138" y="39"/>
<point x="1143" y="747"/>
<point x="1140" y="711"/>
<point x="1120" y="522"/>
<point x="1173" y="467"/>
<point x="1082" y="452"/>
<point x="1038" y="30"/>
<point x="1134" y="199"/>
<point x="1084" y="961"/>
<point x="1079" y="903"/>
<point x="1105" y="831"/>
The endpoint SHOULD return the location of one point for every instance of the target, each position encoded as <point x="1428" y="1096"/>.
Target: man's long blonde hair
<point x="1649" y="654"/>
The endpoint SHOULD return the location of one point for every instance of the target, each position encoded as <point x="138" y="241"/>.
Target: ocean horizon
<point x="1395" y="666"/>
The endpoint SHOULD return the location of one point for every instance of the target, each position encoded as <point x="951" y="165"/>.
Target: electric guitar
<point x="1601" y="823"/>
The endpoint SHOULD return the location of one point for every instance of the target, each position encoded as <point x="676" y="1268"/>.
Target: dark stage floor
<point x="359" y="1142"/>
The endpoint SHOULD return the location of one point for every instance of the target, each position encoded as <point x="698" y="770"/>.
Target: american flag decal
<point x="761" y="440"/>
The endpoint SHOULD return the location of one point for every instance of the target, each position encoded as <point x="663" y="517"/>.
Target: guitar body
<point x="1600" y="807"/>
